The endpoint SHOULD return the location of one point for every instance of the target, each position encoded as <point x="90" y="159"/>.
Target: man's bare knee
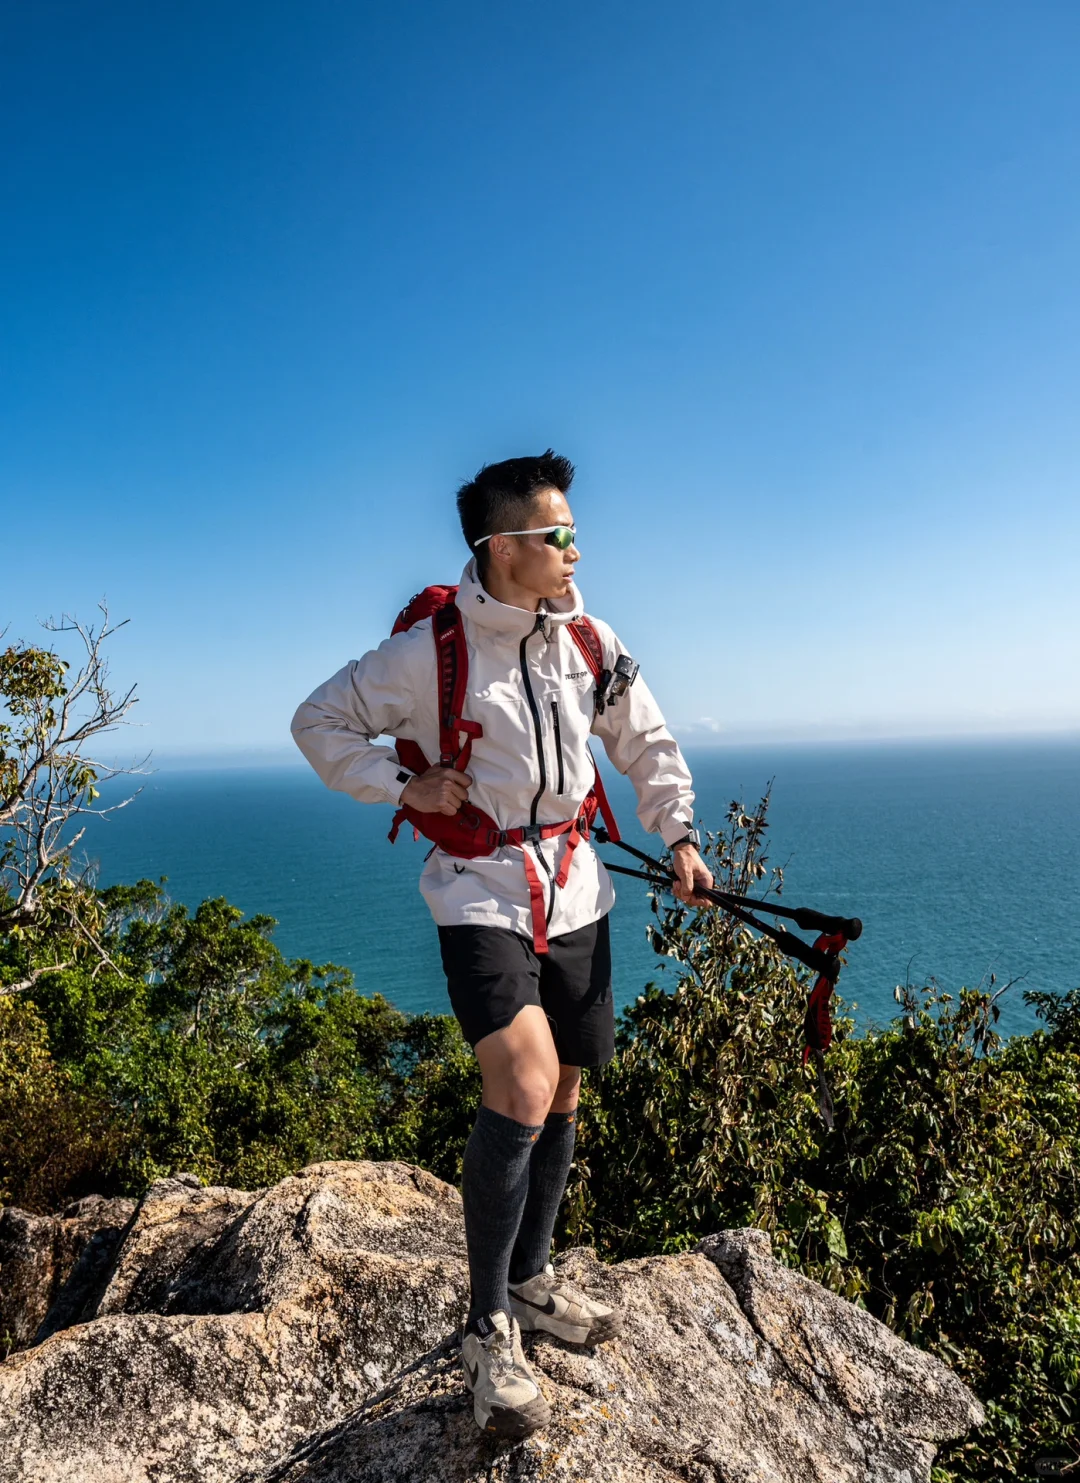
<point x="520" y="1068"/>
<point x="529" y="1100"/>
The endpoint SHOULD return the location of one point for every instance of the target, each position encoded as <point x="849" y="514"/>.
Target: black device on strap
<point x="612" y="683"/>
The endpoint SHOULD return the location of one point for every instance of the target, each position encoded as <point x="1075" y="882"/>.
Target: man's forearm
<point x="330" y="729"/>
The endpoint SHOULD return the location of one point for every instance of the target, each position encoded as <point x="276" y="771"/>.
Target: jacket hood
<point x="479" y="607"/>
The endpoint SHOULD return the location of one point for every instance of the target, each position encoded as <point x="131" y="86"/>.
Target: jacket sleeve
<point x="642" y="748"/>
<point x="369" y="697"/>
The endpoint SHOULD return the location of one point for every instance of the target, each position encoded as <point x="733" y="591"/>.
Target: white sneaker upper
<point x="507" y="1398"/>
<point x="549" y="1303"/>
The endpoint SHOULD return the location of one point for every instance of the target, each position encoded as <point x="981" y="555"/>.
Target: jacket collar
<point x="479" y="607"/>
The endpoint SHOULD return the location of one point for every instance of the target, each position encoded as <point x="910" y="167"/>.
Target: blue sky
<point x="795" y="285"/>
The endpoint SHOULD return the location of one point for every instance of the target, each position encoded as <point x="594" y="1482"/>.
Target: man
<point x="522" y="928"/>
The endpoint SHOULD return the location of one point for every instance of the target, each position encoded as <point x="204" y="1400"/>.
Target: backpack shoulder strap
<point x="452" y="665"/>
<point x="584" y="634"/>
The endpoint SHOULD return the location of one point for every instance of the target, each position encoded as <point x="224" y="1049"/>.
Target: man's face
<point x="543" y="570"/>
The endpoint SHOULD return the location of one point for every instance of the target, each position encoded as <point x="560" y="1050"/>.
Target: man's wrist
<point x="691" y="837"/>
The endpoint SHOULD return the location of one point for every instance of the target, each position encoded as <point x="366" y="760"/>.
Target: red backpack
<point x="471" y="832"/>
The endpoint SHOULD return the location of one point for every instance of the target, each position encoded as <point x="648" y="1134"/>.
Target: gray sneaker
<point x="507" y="1399"/>
<point x="547" y="1303"/>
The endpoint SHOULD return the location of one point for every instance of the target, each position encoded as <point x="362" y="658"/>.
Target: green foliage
<point x="55" y="1139"/>
<point x="214" y="1054"/>
<point x="432" y="1107"/>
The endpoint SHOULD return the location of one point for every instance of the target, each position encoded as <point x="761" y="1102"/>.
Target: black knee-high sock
<point x="494" y="1186"/>
<point x="552" y="1155"/>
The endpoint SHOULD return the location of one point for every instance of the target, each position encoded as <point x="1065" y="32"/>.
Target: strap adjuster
<point x="531" y="833"/>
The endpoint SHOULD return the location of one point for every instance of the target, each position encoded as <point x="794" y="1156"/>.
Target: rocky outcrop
<point x="55" y="1266"/>
<point x="307" y="1332"/>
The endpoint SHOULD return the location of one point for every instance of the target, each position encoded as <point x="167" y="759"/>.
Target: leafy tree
<point x="50" y="722"/>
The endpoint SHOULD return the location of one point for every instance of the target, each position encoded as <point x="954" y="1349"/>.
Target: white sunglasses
<point x="559" y="536"/>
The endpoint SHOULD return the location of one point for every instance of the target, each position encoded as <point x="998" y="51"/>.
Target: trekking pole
<point x="803" y="916"/>
<point x="823" y="957"/>
<point x="793" y="946"/>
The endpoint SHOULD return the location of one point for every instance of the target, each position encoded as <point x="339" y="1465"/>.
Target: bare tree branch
<point x="50" y="775"/>
<point x="32" y="978"/>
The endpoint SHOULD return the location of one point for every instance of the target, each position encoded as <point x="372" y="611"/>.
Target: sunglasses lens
<point x="562" y="537"/>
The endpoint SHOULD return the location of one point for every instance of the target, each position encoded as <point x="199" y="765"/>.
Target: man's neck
<point x="503" y="590"/>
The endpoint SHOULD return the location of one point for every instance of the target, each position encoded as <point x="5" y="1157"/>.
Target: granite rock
<point x="306" y="1333"/>
<point x="233" y="1323"/>
<point x="56" y="1266"/>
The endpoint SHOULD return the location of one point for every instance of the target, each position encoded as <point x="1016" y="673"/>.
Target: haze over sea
<point x="962" y="859"/>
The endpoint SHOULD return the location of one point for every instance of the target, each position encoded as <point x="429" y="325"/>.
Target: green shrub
<point x="213" y="1053"/>
<point x="56" y="1140"/>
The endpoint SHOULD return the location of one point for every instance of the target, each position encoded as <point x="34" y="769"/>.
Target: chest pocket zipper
<point x="558" y="744"/>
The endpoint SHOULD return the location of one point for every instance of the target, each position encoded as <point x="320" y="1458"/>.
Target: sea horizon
<point x="961" y="857"/>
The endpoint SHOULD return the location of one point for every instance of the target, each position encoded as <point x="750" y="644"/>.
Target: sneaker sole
<point x="514" y="1421"/>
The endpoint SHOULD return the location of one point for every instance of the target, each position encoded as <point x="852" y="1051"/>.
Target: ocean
<point x="962" y="859"/>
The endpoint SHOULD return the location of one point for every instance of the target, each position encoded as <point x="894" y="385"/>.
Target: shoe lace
<point x="500" y="1355"/>
<point x="561" y="1285"/>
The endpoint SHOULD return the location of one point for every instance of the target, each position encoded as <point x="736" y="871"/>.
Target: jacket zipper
<point x="534" y="708"/>
<point x="538" y="729"/>
<point x="558" y="742"/>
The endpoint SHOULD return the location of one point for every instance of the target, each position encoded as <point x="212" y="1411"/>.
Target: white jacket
<point x="532" y="692"/>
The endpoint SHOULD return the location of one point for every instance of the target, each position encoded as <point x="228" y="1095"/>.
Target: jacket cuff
<point x="675" y="829"/>
<point x="393" y="778"/>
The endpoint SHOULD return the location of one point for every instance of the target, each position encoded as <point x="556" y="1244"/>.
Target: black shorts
<point x="492" y="972"/>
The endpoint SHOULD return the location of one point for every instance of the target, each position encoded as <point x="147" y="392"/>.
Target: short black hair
<point x="499" y="496"/>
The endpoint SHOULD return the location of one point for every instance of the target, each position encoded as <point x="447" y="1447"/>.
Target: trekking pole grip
<point x="817" y="921"/>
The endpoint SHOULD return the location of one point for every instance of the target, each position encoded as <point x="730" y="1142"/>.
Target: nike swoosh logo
<point x="548" y="1307"/>
<point x="472" y="1373"/>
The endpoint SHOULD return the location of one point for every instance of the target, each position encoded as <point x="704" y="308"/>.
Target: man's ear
<point x="500" y="548"/>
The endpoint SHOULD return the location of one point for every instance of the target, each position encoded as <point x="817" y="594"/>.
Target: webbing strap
<point x="572" y="843"/>
<point x="572" y="828"/>
<point x="525" y="832"/>
<point x="536" y="900"/>
<point x="607" y="813"/>
<point x="398" y="820"/>
<point x="588" y="641"/>
<point x="817" y="1022"/>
